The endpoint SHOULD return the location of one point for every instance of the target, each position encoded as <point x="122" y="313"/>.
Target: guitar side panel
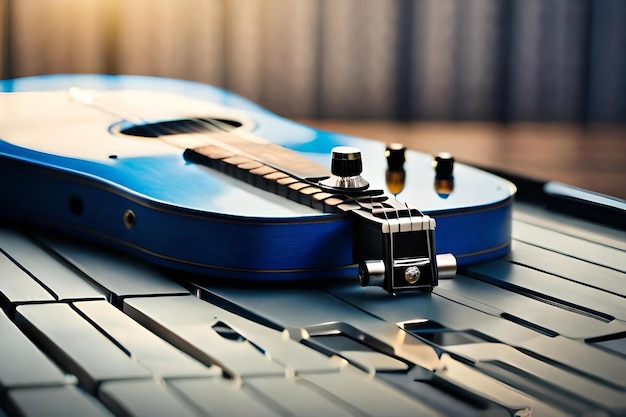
<point x="224" y="246"/>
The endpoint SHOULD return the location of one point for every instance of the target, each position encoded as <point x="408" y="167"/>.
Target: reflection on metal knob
<point x="372" y="273"/>
<point x="395" y="154"/>
<point x="395" y="174"/>
<point x="346" y="168"/>
<point x="444" y="174"/>
<point x="446" y="265"/>
<point x="412" y="274"/>
<point x="444" y="165"/>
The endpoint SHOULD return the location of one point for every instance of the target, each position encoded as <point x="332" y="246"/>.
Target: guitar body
<point x="90" y="171"/>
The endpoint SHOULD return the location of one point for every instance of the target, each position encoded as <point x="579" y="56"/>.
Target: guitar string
<point x="92" y="99"/>
<point x="95" y="100"/>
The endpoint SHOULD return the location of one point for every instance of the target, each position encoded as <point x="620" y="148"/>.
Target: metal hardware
<point x="412" y="274"/>
<point x="372" y="273"/>
<point x="346" y="168"/>
<point x="129" y="219"/>
<point x="446" y="266"/>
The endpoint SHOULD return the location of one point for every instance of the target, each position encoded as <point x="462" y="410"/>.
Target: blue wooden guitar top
<point x="101" y="157"/>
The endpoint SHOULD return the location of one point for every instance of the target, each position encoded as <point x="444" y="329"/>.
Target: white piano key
<point x="359" y="354"/>
<point x="19" y="287"/>
<point x="572" y="269"/>
<point x="367" y="395"/>
<point x="530" y="311"/>
<point x="552" y="376"/>
<point x="582" y="357"/>
<point x="572" y="226"/>
<point x="455" y="314"/>
<point x="298" y="399"/>
<point x="288" y="352"/>
<point x="76" y="345"/>
<point x="145" y="398"/>
<point x="22" y="364"/>
<point x="188" y="323"/>
<point x="63" y="401"/>
<point x="120" y="274"/>
<point x="218" y="397"/>
<point x="148" y="349"/>
<point x="573" y="246"/>
<point x="464" y="376"/>
<point x="63" y="282"/>
<point x="521" y="279"/>
<point x="325" y="312"/>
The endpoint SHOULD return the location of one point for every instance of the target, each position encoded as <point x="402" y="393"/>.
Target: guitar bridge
<point x="395" y="254"/>
<point x="404" y="257"/>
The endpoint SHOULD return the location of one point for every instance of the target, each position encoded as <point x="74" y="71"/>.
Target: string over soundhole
<point x="182" y="126"/>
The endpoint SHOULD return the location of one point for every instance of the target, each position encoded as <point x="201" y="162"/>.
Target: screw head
<point x="412" y="274"/>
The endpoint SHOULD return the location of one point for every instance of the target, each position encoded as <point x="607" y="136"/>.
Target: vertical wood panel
<point x="4" y="52"/>
<point x="524" y="57"/>
<point x="607" y="86"/>
<point x="180" y="39"/>
<point x="475" y="60"/>
<point x="290" y="45"/>
<point x="243" y="50"/>
<point x="433" y="87"/>
<point x="358" y="61"/>
<point x="59" y="36"/>
<point x="548" y="60"/>
<point x="557" y="60"/>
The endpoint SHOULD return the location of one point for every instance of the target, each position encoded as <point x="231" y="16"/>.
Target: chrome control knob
<point x="346" y="167"/>
<point x="346" y="161"/>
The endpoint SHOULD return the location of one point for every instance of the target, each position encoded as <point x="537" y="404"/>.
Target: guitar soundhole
<point x="183" y="126"/>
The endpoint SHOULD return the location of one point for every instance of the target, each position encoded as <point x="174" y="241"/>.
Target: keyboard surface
<point x="85" y="331"/>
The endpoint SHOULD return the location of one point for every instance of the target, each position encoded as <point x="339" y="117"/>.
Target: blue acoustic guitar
<point x="192" y="177"/>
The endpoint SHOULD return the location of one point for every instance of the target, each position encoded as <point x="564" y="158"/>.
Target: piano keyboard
<point x="85" y="331"/>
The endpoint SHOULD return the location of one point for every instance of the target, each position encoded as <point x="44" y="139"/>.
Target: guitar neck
<point x="403" y="259"/>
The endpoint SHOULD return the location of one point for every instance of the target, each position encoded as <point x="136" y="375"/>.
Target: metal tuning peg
<point x="346" y="168"/>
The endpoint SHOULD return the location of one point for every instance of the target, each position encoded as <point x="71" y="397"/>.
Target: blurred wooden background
<point x="369" y="62"/>
<point x="503" y="60"/>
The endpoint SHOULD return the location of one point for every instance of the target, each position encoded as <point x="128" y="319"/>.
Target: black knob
<point x="444" y="165"/>
<point x="395" y="154"/>
<point x="346" y="161"/>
